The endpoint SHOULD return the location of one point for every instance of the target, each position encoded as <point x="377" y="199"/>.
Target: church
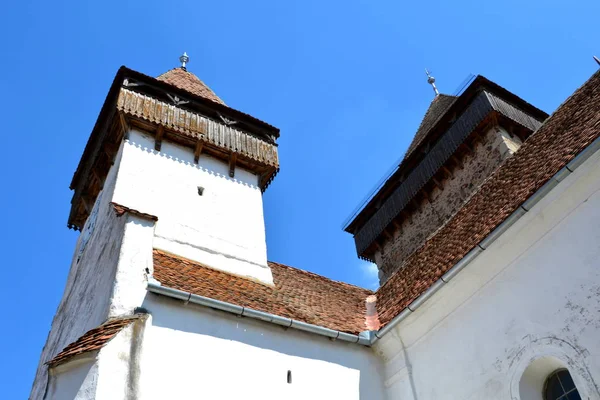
<point x="486" y="237"/>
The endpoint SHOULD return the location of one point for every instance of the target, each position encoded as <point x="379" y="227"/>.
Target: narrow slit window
<point x="289" y="376"/>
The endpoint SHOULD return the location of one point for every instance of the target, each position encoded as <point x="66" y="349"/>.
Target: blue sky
<point x="343" y="80"/>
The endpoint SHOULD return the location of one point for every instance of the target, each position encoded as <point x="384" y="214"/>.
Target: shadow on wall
<point x="184" y="156"/>
<point x="76" y="379"/>
<point x="244" y="341"/>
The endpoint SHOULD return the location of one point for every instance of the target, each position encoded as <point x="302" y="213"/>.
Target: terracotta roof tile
<point x="187" y="81"/>
<point x="313" y="299"/>
<point x="574" y="125"/>
<point x="297" y="294"/>
<point x="93" y="339"/>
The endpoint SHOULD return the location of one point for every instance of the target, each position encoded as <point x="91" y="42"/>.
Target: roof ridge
<point x="429" y="120"/>
<point x="202" y="265"/>
<point x="187" y="260"/>
<point x="167" y="71"/>
<point x="190" y="82"/>
<point x="321" y="276"/>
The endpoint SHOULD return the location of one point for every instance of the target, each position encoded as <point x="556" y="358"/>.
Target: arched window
<point x="560" y="386"/>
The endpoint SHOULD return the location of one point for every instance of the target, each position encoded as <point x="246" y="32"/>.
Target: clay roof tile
<point x="94" y="339"/>
<point x="189" y="82"/>
<point x="297" y="294"/>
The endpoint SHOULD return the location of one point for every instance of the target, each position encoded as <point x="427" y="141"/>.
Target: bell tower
<point x="170" y="167"/>
<point x="185" y="157"/>
<point x="461" y="141"/>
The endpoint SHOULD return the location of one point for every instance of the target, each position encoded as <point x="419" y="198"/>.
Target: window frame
<point x="555" y="375"/>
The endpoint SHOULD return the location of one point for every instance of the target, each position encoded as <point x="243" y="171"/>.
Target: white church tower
<point x="196" y="170"/>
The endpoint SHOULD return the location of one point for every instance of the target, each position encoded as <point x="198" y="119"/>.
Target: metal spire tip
<point x="431" y="81"/>
<point x="184" y="59"/>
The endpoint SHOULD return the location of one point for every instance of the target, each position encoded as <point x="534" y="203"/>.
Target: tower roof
<point x="446" y="124"/>
<point x="438" y="107"/>
<point x="176" y="106"/>
<point x="189" y="82"/>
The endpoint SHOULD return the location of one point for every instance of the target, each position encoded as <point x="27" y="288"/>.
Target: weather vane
<point x="184" y="59"/>
<point x="431" y="81"/>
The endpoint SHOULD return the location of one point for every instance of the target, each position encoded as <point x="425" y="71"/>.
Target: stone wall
<point x="497" y="145"/>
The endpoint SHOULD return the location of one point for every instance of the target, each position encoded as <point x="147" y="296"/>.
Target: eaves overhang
<point x="481" y="101"/>
<point x="139" y="101"/>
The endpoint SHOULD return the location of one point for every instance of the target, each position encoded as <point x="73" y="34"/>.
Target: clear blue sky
<point x="343" y="80"/>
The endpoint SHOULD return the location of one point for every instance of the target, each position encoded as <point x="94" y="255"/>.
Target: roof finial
<point x="431" y="81"/>
<point x="184" y="59"/>
<point x="597" y="60"/>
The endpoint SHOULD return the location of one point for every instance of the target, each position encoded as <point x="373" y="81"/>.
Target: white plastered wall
<point x="534" y="294"/>
<point x="76" y="380"/>
<point x="86" y="299"/>
<point x="190" y="351"/>
<point x="223" y="228"/>
<point x="108" y="374"/>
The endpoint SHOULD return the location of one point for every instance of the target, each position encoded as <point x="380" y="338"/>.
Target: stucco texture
<point x="86" y="300"/>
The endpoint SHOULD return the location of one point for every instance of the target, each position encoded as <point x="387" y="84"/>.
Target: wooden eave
<point x="447" y="170"/>
<point x="164" y="91"/>
<point x="111" y="125"/>
<point x="478" y="85"/>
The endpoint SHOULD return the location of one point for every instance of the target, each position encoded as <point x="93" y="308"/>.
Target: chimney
<point x="372" y="319"/>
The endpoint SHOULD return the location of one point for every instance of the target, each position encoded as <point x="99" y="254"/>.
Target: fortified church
<point x="486" y="237"/>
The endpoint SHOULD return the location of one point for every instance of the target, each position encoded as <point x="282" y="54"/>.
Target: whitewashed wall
<point x="190" y="351"/>
<point x="526" y="306"/>
<point x="76" y="380"/>
<point x="224" y="228"/>
<point x="86" y="300"/>
<point x="108" y="374"/>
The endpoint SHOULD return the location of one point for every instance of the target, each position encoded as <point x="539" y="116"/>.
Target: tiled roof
<point x="313" y="299"/>
<point x="438" y="107"/>
<point x="573" y="126"/>
<point x="297" y="294"/>
<point x="93" y="339"/>
<point x="187" y="81"/>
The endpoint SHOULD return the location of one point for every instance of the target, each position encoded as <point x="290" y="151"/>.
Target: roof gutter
<point x="491" y="237"/>
<point x="363" y="338"/>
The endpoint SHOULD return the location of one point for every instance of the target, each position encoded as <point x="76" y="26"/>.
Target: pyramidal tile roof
<point x="438" y="107"/>
<point x="189" y="82"/>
